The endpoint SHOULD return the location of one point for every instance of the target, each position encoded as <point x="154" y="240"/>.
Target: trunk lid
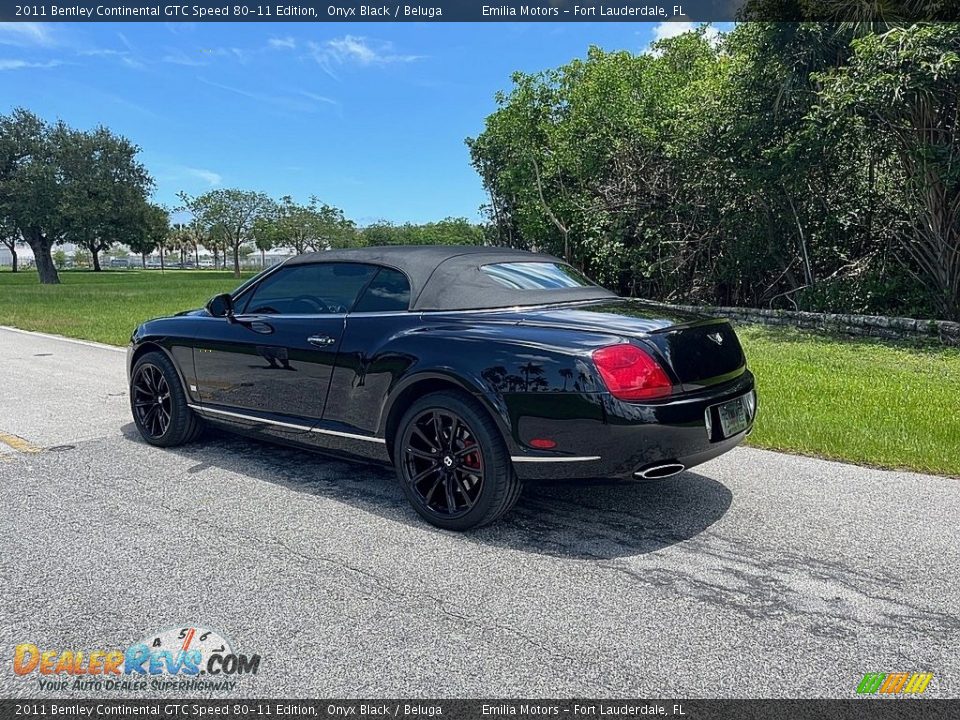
<point x="699" y="350"/>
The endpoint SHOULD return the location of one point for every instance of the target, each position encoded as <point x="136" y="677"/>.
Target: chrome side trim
<point x="305" y="428"/>
<point x="514" y="308"/>
<point x="351" y="436"/>
<point x="573" y="458"/>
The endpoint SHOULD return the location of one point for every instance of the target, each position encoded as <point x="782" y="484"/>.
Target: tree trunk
<point x="161" y="258"/>
<point x="263" y="258"/>
<point x="216" y="258"/>
<point x="143" y="260"/>
<point x="564" y="230"/>
<point x="95" y="252"/>
<point x="46" y="270"/>
<point x="13" y="258"/>
<point x="196" y="257"/>
<point x="236" y="261"/>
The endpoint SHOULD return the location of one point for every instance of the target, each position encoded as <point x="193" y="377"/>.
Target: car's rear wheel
<point x="452" y="462"/>
<point x="158" y="403"/>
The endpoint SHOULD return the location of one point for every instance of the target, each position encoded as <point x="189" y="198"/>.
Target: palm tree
<point x="529" y="369"/>
<point x="171" y="243"/>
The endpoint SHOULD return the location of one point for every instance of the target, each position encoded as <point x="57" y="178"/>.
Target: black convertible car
<point x="471" y="369"/>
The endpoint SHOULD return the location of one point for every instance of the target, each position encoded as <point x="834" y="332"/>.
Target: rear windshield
<point x="536" y="275"/>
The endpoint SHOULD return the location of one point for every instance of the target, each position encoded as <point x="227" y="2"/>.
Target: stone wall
<point x="897" y="328"/>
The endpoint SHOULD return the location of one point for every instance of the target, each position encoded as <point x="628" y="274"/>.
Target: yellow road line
<point x="18" y="443"/>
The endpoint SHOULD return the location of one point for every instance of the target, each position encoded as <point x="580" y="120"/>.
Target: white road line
<point x="75" y="341"/>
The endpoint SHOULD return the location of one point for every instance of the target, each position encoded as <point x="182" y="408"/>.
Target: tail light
<point x="630" y="373"/>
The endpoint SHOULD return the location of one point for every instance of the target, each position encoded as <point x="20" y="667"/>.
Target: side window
<point x="388" y="292"/>
<point x="318" y="288"/>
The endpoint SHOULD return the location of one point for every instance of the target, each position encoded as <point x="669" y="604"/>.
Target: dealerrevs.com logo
<point x="183" y="658"/>
<point x="894" y="683"/>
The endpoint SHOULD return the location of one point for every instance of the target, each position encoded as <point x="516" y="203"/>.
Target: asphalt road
<point x="755" y="575"/>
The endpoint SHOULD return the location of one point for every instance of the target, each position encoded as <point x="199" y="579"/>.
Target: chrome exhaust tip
<point x="655" y="472"/>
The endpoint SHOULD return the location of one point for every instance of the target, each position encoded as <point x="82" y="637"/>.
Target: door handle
<point x="320" y="340"/>
<point x="261" y="327"/>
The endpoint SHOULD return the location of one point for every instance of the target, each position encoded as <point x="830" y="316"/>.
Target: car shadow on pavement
<point x="586" y="519"/>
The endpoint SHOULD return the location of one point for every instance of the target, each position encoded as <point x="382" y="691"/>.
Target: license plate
<point x="734" y="417"/>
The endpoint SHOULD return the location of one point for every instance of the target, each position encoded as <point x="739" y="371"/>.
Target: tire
<point x="448" y="484"/>
<point x="159" y="404"/>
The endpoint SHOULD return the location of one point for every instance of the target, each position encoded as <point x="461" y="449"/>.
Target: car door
<point x="275" y="355"/>
<point x="365" y="372"/>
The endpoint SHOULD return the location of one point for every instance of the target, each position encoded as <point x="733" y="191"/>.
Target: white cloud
<point x="179" y="57"/>
<point x="319" y="98"/>
<point x="122" y="56"/>
<point x="181" y="28"/>
<point x="102" y="52"/>
<point x="665" y="30"/>
<point x="24" y="64"/>
<point x="284" y="43"/>
<point x="25" y="34"/>
<point x="356" y="50"/>
<point x="284" y="103"/>
<point x="208" y="176"/>
<point x="201" y="57"/>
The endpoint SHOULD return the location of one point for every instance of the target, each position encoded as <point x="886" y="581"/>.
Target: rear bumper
<point x="618" y="439"/>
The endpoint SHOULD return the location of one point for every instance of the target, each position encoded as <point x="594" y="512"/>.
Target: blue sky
<point x="369" y="117"/>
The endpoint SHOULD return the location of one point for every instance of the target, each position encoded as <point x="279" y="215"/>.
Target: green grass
<point x="863" y="401"/>
<point x="108" y="305"/>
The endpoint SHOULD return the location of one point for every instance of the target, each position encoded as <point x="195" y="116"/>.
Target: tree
<point x="181" y="240"/>
<point x="140" y="240"/>
<point x="265" y="234"/>
<point x="196" y="236"/>
<point x="581" y="160"/>
<point x="216" y="242"/>
<point x="156" y="230"/>
<point x="233" y="211"/>
<point x="102" y="185"/>
<point x="30" y="194"/>
<point x="59" y="259"/>
<point x="57" y="183"/>
<point x="782" y="164"/>
<point x="10" y="238"/>
<point x="902" y="89"/>
<point x="449" y="231"/>
<point x="81" y="257"/>
<point x="313" y="227"/>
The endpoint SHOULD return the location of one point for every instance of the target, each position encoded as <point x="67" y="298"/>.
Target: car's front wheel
<point x="159" y="404"/>
<point x="452" y="462"/>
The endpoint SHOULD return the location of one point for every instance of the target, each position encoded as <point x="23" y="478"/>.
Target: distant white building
<point x="25" y="257"/>
<point x="25" y="254"/>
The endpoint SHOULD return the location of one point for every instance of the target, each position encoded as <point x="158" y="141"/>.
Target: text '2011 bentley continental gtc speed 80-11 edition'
<point x="471" y="369"/>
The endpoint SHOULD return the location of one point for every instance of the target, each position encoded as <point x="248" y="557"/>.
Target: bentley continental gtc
<point x="470" y="369"/>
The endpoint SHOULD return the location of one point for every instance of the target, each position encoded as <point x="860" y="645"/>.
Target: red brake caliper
<point x="472" y="460"/>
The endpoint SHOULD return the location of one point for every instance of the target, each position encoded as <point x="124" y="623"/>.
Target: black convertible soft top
<point x="448" y="277"/>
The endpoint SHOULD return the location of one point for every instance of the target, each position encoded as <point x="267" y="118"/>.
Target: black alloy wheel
<point x="453" y="464"/>
<point x="443" y="463"/>
<point x="151" y="400"/>
<point x="159" y="404"/>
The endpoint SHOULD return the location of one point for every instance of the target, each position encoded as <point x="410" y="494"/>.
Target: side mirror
<point x="221" y="305"/>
